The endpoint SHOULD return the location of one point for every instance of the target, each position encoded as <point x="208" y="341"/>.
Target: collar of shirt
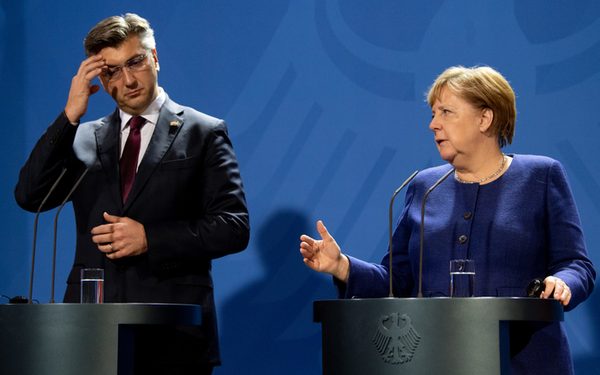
<point x="150" y="114"/>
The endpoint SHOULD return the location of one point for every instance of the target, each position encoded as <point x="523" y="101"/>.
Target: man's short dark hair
<point x="113" y="31"/>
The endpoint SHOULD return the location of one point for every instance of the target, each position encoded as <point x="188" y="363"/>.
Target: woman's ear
<point x="487" y="117"/>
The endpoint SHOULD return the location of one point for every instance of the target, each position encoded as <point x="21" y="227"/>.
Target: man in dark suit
<point x="162" y="196"/>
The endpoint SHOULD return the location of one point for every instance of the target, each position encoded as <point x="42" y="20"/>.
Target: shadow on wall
<point x="268" y="324"/>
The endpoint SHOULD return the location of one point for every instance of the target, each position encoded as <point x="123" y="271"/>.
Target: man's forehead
<point x="118" y="55"/>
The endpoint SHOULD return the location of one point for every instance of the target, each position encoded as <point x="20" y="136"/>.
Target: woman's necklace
<point x="496" y="173"/>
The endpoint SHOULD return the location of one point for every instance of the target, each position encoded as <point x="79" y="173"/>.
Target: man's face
<point x="130" y="75"/>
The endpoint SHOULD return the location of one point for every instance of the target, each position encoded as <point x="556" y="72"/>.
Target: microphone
<point x="536" y="287"/>
<point x="390" y="218"/>
<point x="56" y="229"/>
<point x="35" y="225"/>
<point x="422" y="229"/>
<point x="84" y="147"/>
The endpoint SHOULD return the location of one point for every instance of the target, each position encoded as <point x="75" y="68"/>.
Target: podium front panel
<point x="65" y="339"/>
<point x="423" y="335"/>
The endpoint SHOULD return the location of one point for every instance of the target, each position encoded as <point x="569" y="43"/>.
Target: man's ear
<point x="155" y="59"/>
<point x="487" y="117"/>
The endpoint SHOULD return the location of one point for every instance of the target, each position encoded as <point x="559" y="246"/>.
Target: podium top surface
<point x="492" y="308"/>
<point x="120" y="313"/>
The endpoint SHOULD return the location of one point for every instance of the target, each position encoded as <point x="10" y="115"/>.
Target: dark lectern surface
<point x="423" y="335"/>
<point x="65" y="339"/>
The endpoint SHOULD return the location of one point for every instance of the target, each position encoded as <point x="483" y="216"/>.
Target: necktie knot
<point x="136" y="122"/>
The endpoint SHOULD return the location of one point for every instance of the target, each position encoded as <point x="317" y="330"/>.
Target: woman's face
<point x="458" y="126"/>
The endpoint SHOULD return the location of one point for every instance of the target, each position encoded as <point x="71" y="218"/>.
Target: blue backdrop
<point x="325" y="103"/>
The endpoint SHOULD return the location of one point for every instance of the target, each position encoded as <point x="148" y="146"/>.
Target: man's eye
<point x="136" y="62"/>
<point x="111" y="72"/>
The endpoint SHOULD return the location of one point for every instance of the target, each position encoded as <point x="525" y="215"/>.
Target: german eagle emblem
<point x="396" y="339"/>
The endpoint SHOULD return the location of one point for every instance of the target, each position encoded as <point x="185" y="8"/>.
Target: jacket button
<point x="462" y="239"/>
<point x="467" y="215"/>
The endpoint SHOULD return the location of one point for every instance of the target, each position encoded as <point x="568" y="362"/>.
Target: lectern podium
<point x="424" y="336"/>
<point x="65" y="339"/>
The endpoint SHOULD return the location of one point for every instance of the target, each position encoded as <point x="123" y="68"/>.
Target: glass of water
<point x="92" y="285"/>
<point x="462" y="277"/>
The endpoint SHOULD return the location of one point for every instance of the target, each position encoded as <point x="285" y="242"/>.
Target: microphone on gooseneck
<point x="56" y="229"/>
<point x="390" y="219"/>
<point x="35" y="224"/>
<point x="84" y="147"/>
<point x="422" y="228"/>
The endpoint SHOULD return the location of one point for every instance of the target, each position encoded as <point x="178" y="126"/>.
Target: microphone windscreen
<point x="535" y="287"/>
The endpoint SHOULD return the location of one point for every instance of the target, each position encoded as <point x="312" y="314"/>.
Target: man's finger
<point x="91" y="61"/>
<point x="111" y="218"/>
<point x="113" y="255"/>
<point x="102" y="229"/>
<point x="106" y="247"/>
<point x="102" y="238"/>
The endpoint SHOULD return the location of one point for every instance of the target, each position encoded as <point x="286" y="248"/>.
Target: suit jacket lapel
<point x="107" y="141"/>
<point x="169" y="122"/>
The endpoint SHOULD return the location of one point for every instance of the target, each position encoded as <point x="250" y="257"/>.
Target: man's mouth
<point x="133" y="93"/>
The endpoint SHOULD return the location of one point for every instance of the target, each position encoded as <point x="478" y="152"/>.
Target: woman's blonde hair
<point x="483" y="87"/>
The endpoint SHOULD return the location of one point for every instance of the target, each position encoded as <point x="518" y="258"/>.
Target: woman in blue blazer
<point x="513" y="214"/>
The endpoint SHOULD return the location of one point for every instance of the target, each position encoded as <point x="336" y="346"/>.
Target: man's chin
<point x="133" y="107"/>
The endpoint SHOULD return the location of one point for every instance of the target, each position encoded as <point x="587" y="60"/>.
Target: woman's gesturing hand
<point x="324" y="255"/>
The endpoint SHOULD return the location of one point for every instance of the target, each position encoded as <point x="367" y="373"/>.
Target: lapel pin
<point x="174" y="124"/>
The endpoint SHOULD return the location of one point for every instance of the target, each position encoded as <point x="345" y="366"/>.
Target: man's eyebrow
<point x="126" y="61"/>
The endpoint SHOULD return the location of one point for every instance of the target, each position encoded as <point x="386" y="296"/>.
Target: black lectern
<point x="81" y="338"/>
<point x="424" y="335"/>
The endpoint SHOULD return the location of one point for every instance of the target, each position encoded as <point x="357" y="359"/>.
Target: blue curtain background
<point x="325" y="104"/>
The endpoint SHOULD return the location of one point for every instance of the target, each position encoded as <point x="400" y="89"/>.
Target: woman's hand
<point x="324" y="255"/>
<point x="562" y="292"/>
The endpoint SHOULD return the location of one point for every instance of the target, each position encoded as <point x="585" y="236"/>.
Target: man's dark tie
<point x="129" y="159"/>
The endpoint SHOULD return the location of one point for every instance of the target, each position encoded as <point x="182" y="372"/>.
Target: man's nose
<point x="128" y="77"/>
